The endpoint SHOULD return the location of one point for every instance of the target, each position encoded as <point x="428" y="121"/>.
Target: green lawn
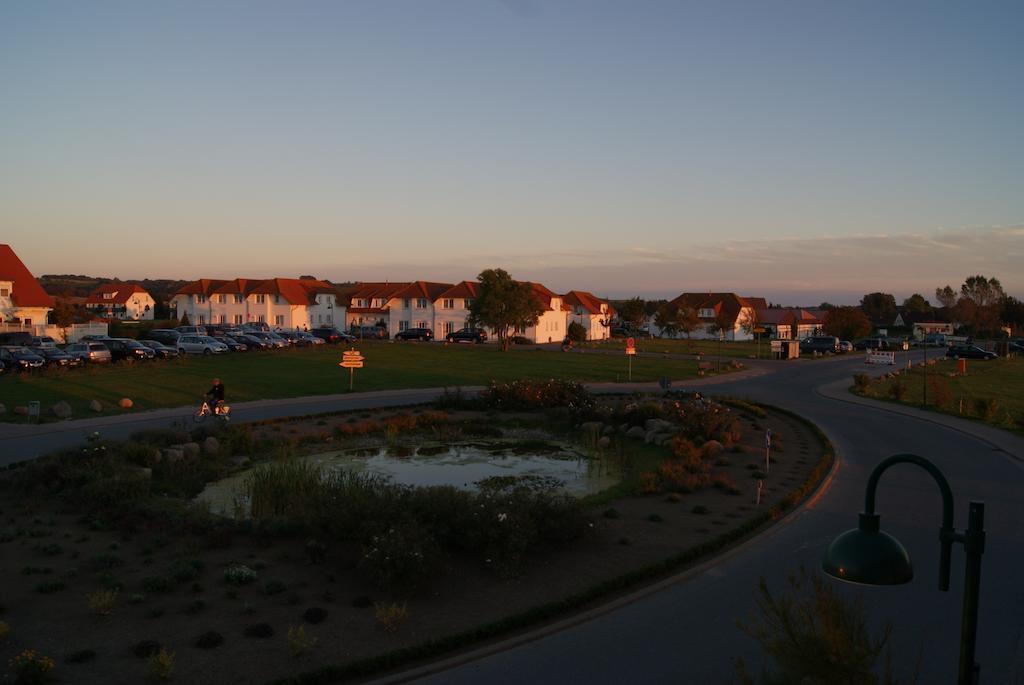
<point x="1001" y="380"/>
<point x="315" y="371"/>
<point x="682" y="346"/>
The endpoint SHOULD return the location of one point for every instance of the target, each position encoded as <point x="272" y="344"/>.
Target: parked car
<point x="424" y="334"/>
<point x="164" y="336"/>
<point x="3" y="367"/>
<point x="936" y="340"/>
<point x="160" y="350"/>
<point x="191" y="330"/>
<point x="128" y="350"/>
<point x="313" y="340"/>
<point x="251" y="341"/>
<point x="273" y="340"/>
<point x="824" y="344"/>
<point x="21" y="358"/>
<point x="96" y="338"/>
<point x="232" y="344"/>
<point x="55" y="356"/>
<point x="970" y="352"/>
<point x="845" y="346"/>
<point x="370" y="332"/>
<point x="200" y="344"/>
<point x="1016" y="347"/>
<point x="15" y="338"/>
<point x="39" y="341"/>
<point x="262" y="326"/>
<point x="467" y="335"/>
<point x="293" y="338"/>
<point x="332" y="335"/>
<point x="89" y="351"/>
<point x="871" y="344"/>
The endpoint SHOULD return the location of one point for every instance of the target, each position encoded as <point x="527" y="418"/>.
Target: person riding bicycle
<point x="215" y="396"/>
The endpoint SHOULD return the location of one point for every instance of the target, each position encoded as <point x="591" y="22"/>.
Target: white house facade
<point x="126" y="301"/>
<point x="591" y="312"/>
<point x="286" y="303"/>
<point x="24" y="305"/>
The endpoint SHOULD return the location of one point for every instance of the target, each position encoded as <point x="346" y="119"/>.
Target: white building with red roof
<point x="287" y="303"/>
<point x="591" y="312"/>
<point x="451" y="308"/>
<point x="23" y="302"/>
<point x="121" y="301"/>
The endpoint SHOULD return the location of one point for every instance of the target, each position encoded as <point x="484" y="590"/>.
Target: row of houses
<point x="305" y="303"/>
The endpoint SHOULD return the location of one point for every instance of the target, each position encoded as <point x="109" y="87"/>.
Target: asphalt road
<point x="686" y="633"/>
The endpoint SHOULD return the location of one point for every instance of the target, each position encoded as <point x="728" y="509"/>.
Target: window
<point x="421" y="303"/>
<point x="468" y="302"/>
<point x="403" y="325"/>
<point x="202" y="319"/>
<point x="223" y="318"/>
<point x="422" y="324"/>
<point x="406" y="302"/>
<point x="200" y="299"/>
<point x="238" y="319"/>
<point x="108" y="296"/>
<point x="360" y="303"/>
<point x="706" y="313"/>
<point x="222" y="298"/>
<point x="449" y="327"/>
<point x="449" y="304"/>
<point x="277" y="299"/>
<point x="5" y="292"/>
<point x="279" y="320"/>
<point x="261" y="318"/>
<point x="260" y="299"/>
<point x="238" y="298"/>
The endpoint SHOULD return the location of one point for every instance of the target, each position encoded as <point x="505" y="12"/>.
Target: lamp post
<point x="869" y="556"/>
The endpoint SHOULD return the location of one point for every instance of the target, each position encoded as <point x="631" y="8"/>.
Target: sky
<point x="801" y="151"/>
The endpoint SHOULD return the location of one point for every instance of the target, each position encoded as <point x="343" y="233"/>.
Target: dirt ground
<point x="50" y="561"/>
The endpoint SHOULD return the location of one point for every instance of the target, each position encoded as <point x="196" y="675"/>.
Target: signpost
<point x="758" y="332"/>
<point x="351" y="360"/>
<point x="767" y="450"/>
<point x="630" y="353"/>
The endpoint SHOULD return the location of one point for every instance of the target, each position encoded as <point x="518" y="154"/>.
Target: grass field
<point x="683" y="346"/>
<point x="1000" y="382"/>
<point x="315" y="371"/>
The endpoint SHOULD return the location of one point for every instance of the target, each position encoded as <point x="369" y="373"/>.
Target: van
<point x="19" y="338"/>
<point x="820" y="344"/>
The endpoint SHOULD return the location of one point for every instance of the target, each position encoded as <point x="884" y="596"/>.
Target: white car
<point x="200" y="344"/>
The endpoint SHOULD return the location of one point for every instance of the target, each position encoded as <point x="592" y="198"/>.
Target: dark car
<point x="127" y="349"/>
<point x="55" y="356"/>
<point x="820" y="343"/>
<point x="293" y="338"/>
<point x="20" y="358"/>
<point x="160" y="350"/>
<point x="269" y="338"/>
<point x="415" y="334"/>
<point x="233" y="345"/>
<point x="16" y="338"/>
<point x="252" y="342"/>
<point x="467" y="335"/>
<point x="332" y="335"/>
<point x="164" y="336"/>
<point x="871" y="344"/>
<point x="970" y="352"/>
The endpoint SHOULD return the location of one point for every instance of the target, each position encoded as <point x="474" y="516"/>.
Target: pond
<point x="461" y="466"/>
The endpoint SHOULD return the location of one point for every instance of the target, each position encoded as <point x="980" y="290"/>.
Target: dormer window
<point x="108" y="296"/>
<point x="706" y="313"/>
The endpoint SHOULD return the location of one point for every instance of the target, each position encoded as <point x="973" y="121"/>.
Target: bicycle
<point x="221" y="411"/>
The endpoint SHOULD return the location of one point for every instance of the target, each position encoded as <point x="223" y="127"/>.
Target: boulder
<point x="139" y="472"/>
<point x="125" y="403"/>
<point x="661" y="439"/>
<point x="96" y="406"/>
<point x="173" y="454"/>
<point x="191" y="450"/>
<point x="608" y="429"/>
<point x="604" y="442"/>
<point x="658" y="425"/>
<point x="591" y="427"/>
<point x="211" y="445"/>
<point x="636" y="432"/>
<point x="712" y="447"/>
<point x="61" y="410"/>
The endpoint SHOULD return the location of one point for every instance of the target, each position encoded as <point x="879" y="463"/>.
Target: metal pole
<point x="924" y="377"/>
<point x="974" y="542"/>
<point x="351" y="377"/>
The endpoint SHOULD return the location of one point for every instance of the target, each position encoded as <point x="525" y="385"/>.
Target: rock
<point x="191" y="450"/>
<point x="663" y="438"/>
<point x="608" y="429"/>
<point x="239" y="461"/>
<point x="62" y="410"/>
<point x="125" y="403"/>
<point x="636" y="432"/>
<point x="172" y="454"/>
<point x="211" y="445"/>
<point x="658" y="425"/>
<point x="623" y="427"/>
<point x="712" y="447"/>
<point x="96" y="406"/>
<point x="21" y="410"/>
<point x="591" y="427"/>
<point x="604" y="442"/>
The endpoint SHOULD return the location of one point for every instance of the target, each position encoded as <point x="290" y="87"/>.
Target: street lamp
<point x="867" y="555"/>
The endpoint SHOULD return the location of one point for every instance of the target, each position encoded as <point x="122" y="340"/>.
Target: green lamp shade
<point x="868" y="556"/>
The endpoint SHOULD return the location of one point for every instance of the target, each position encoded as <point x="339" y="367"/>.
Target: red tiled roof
<point x="25" y="289"/>
<point x="370" y="291"/>
<point x="465" y="289"/>
<point x="416" y="289"/>
<point x="204" y="286"/>
<point x="293" y="290"/>
<point x="724" y="304"/>
<point x="544" y="296"/>
<point x="581" y="298"/>
<point x="121" y="293"/>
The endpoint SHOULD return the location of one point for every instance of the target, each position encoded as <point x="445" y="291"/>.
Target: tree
<point x="982" y="291"/>
<point x="687" y="322"/>
<point x="577" y="333"/>
<point x="946" y="297"/>
<point x="1012" y="313"/>
<point x="847" y="323"/>
<point x="503" y="304"/>
<point x="184" y="320"/>
<point x="633" y="312"/>
<point x="667" y="319"/>
<point x="63" y="316"/>
<point x="826" y="305"/>
<point x="879" y="306"/>
<point x="916" y="303"/>
<point x="979" y="304"/>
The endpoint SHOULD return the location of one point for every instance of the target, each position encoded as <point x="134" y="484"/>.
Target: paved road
<point x="687" y="632"/>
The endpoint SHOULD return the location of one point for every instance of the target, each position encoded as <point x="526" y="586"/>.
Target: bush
<point x="102" y="602"/>
<point x="238" y="574"/>
<point x="940" y="391"/>
<point x="391" y="616"/>
<point x="161" y="665"/>
<point x="259" y="630"/>
<point x="274" y="587"/>
<point x="986" y="408"/>
<point x="400" y="558"/>
<point x="31" y="668"/>
<point x="5" y="630"/>
<point x="209" y="640"/>
<point x="146" y="648"/>
<point x="314" y="615"/>
<point x="576" y="332"/>
<point x="529" y="394"/>
<point x="898" y="390"/>
<point x="299" y="642"/>
<point x="861" y="381"/>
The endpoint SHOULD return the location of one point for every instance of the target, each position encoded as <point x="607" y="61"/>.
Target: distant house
<point x="790" y="323"/>
<point x="23" y="302"/>
<point x="591" y="312"/>
<point x="121" y="301"/>
<point x="366" y="304"/>
<point x="922" y="324"/>
<point x="416" y="306"/>
<point x="290" y="303"/>
<point x="739" y="314"/>
<point x="451" y="308"/>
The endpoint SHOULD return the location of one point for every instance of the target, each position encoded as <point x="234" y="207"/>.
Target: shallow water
<point x="461" y="466"/>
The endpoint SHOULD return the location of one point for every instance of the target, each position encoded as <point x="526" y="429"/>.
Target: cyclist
<point x="215" y="396"/>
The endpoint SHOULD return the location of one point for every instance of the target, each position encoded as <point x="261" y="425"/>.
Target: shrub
<point x="611" y="513"/>
<point x="362" y="602"/>
<point x="861" y="381"/>
<point x="940" y="392"/>
<point x="209" y="640"/>
<point x="723" y="482"/>
<point x="157" y="585"/>
<point x="161" y="665"/>
<point x="31" y="668"/>
<point x="576" y="332"/>
<point x="531" y="394"/>
<point x="655" y="518"/>
<point x="699" y="509"/>
<point x="102" y="602"/>
<point x="898" y="390"/>
<point x="48" y="587"/>
<point x="986" y="408"/>
<point x="238" y="574"/>
<point x="400" y="558"/>
<point x="184" y="571"/>
<point x="300" y="642"/>
<point x="702" y="420"/>
<point x="390" y="616"/>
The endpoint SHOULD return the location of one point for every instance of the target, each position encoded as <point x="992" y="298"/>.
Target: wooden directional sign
<point x="351" y="360"/>
<point x="351" y="364"/>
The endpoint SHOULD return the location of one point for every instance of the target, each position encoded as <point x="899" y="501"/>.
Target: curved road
<point x="687" y="631"/>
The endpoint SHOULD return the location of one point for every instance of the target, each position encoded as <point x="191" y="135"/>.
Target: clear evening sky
<point x="797" y="150"/>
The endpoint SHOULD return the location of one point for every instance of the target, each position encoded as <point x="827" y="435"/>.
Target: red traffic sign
<point x="630" y="346"/>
